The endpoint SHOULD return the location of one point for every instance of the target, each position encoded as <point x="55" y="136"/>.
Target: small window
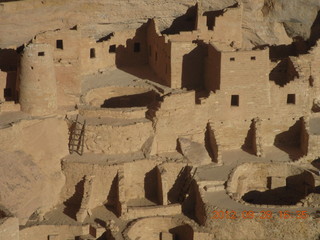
<point x="59" y="44"/>
<point x="41" y="54"/>
<point x="253" y="58"/>
<point x="269" y="182"/>
<point x="235" y="100"/>
<point x="112" y="49"/>
<point x="136" y="47"/>
<point x="7" y="92"/>
<point x="92" y="53"/>
<point x="291" y="99"/>
<point x="232" y="59"/>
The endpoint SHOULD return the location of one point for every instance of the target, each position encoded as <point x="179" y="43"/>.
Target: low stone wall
<point x="42" y="232"/>
<point x="139" y="212"/>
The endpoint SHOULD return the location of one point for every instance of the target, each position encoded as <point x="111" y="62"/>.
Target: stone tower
<point x="38" y="87"/>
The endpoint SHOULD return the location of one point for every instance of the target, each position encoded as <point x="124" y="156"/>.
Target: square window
<point x="253" y="58"/>
<point x="59" y="44"/>
<point x="136" y="47"/>
<point x="235" y="100"/>
<point x="92" y="53"/>
<point x="41" y="54"/>
<point x="112" y="48"/>
<point x="232" y="59"/>
<point x="291" y="99"/>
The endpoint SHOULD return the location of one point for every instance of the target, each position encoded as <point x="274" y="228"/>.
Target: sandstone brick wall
<point x="159" y="53"/>
<point x="104" y="187"/>
<point x="140" y="180"/>
<point x="117" y="139"/>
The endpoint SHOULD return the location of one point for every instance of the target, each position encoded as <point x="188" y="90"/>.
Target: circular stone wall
<point x="120" y="97"/>
<point x="157" y="228"/>
<point x="270" y="183"/>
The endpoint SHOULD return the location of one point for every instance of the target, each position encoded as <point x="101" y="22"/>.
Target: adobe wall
<point x="254" y="176"/>
<point x="104" y="187"/>
<point x="212" y="72"/>
<point x="179" y="52"/>
<point x="9" y="228"/>
<point x="159" y="53"/>
<point x="42" y="232"/>
<point x="66" y="63"/>
<point x="38" y="87"/>
<point x="128" y="54"/>
<point x="102" y="58"/>
<point x="169" y="173"/>
<point x="140" y="180"/>
<point x="228" y="27"/>
<point x="117" y="139"/>
<point x="231" y="134"/>
<point x="248" y="70"/>
<point x="173" y="120"/>
<point x="150" y="228"/>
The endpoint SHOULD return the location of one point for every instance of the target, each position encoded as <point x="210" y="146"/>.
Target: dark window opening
<point x="41" y="54"/>
<point x="7" y="93"/>
<point x="92" y="53"/>
<point x="59" y="44"/>
<point x="269" y="182"/>
<point x="253" y="58"/>
<point x="112" y="49"/>
<point x="291" y="99"/>
<point x="136" y="47"/>
<point x="235" y="100"/>
<point x="232" y="59"/>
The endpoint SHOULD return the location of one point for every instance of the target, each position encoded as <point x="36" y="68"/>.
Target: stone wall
<point x="38" y="86"/>
<point x="117" y="139"/>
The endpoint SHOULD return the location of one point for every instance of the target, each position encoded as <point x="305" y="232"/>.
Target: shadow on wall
<point x="290" y="141"/>
<point x="72" y="205"/>
<point x="112" y="198"/>
<point x="193" y="68"/>
<point x="8" y="60"/>
<point x="135" y="52"/>
<point x="297" y="188"/>
<point x="151" y="186"/>
<point x="183" y="232"/>
<point x="10" y="93"/>
<point x="128" y="101"/>
<point x="185" y="22"/>
<point x="173" y="193"/>
<point x="315" y="31"/>
<point x="211" y="18"/>
<point x="283" y="73"/>
<point x="248" y="141"/>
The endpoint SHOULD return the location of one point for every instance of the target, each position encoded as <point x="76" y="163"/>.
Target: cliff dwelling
<point x="159" y="120"/>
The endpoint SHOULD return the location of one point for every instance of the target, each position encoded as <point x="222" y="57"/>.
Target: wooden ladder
<point x="76" y="139"/>
<point x="187" y="183"/>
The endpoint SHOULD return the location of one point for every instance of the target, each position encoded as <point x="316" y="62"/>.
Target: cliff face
<point x="264" y="21"/>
